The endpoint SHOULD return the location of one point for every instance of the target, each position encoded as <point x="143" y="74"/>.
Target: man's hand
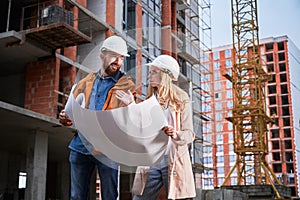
<point x="64" y="119"/>
<point x="170" y="131"/>
<point x="126" y="98"/>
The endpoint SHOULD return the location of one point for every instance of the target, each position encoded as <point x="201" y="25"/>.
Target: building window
<point x="285" y="110"/>
<point x="221" y="171"/>
<point x="227" y="53"/>
<point x="217" y="85"/>
<point x="218" y="105"/>
<point x="283" y="78"/>
<point x="289" y="156"/>
<point x="228" y="84"/>
<point x="216" y="65"/>
<point x="280" y="46"/>
<point x="154" y="5"/>
<point x="220" y="148"/>
<point x="276" y="156"/>
<point x="231" y="147"/>
<point x="272" y="89"/>
<point x="230" y="104"/>
<point x="220" y="159"/>
<point x="230" y="137"/>
<point x="233" y="181"/>
<point x="130" y="63"/>
<point x="272" y="100"/>
<point x="287" y="132"/>
<point x="284" y="100"/>
<point x="275" y="145"/>
<point x="228" y="63"/>
<point x="151" y="34"/>
<point x="288" y="144"/>
<point x="207" y="149"/>
<point x="220" y="180"/>
<point x="282" y="67"/>
<point x="281" y="56"/>
<point x="219" y="127"/>
<point x="272" y="78"/>
<point x="219" y="116"/>
<point x="273" y="111"/>
<point x="207" y="160"/>
<point x="270" y="67"/>
<point x="284" y="89"/>
<point x="286" y="121"/>
<point x="216" y="55"/>
<point x="228" y="93"/>
<point x="217" y="75"/>
<point x="220" y="138"/>
<point x="277" y="168"/>
<point x="269" y="47"/>
<point x="129" y="18"/>
<point x="275" y="133"/>
<point x="232" y="158"/>
<point x="269" y="57"/>
<point x="230" y="127"/>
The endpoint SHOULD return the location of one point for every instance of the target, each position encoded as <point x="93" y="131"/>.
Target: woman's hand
<point x="170" y="131"/>
<point x="126" y="98"/>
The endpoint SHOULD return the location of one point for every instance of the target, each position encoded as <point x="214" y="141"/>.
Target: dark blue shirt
<point x="100" y="89"/>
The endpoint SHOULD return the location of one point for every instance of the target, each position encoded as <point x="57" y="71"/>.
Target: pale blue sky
<point x="275" y="18"/>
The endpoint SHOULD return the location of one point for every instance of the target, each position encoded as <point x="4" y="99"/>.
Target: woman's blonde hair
<point x="177" y="97"/>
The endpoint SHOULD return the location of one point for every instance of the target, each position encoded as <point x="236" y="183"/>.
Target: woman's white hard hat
<point x="116" y="44"/>
<point x="167" y="64"/>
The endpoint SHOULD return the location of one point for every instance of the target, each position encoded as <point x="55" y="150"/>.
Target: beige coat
<point x="181" y="180"/>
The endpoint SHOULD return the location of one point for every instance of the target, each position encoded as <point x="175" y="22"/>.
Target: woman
<point x="174" y="172"/>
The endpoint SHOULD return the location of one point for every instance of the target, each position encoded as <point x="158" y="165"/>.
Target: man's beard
<point x="111" y="72"/>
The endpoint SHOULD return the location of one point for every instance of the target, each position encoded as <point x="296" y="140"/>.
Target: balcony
<point x="51" y="26"/>
<point x="182" y="4"/>
<point x="188" y="50"/>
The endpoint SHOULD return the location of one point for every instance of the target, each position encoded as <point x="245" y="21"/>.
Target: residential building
<point x="281" y="61"/>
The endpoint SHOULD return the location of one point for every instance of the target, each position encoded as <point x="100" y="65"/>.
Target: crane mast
<point x="249" y="115"/>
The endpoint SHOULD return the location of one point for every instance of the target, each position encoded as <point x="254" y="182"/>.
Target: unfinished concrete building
<point x="280" y="59"/>
<point x="46" y="46"/>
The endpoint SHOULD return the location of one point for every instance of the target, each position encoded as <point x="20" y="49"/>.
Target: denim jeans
<point x="82" y="167"/>
<point x="158" y="177"/>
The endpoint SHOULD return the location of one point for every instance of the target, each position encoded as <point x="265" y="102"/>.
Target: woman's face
<point x="154" y="76"/>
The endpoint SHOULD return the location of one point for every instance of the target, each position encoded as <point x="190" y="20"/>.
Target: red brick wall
<point x="41" y="84"/>
<point x="166" y="37"/>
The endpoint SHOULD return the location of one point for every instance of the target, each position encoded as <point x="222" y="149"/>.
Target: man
<point x="99" y="91"/>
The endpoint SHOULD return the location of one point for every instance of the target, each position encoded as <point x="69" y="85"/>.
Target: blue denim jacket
<point x="100" y="89"/>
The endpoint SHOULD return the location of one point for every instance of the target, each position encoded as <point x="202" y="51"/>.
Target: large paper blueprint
<point x="131" y="135"/>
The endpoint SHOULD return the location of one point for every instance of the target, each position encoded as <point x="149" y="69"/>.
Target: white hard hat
<point x="116" y="44"/>
<point x="167" y="64"/>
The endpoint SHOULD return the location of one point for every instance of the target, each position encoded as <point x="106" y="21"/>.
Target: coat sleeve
<point x="69" y="105"/>
<point x="185" y="122"/>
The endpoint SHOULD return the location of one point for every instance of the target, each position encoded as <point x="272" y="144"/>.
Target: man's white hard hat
<point x="167" y="64"/>
<point x="116" y="44"/>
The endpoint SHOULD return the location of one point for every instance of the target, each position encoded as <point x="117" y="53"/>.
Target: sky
<point x="275" y="18"/>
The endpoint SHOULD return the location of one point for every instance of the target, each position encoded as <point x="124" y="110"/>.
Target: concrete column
<point x="64" y="176"/>
<point x="36" y="164"/>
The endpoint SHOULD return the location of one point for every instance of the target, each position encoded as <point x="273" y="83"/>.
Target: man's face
<point x="154" y="76"/>
<point x="112" y="62"/>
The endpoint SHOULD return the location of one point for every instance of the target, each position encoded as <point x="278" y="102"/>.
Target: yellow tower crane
<point x="249" y="116"/>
